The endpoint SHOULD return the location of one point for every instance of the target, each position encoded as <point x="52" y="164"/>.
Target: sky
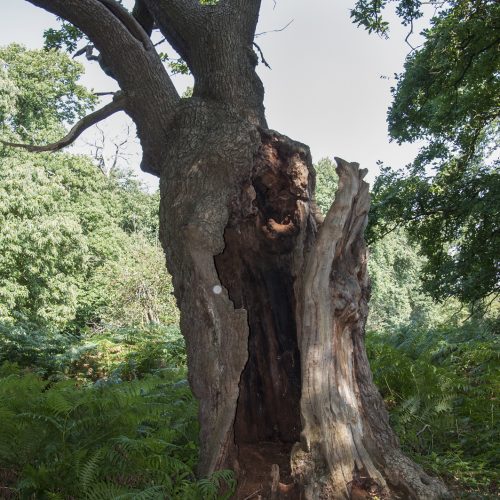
<point x="329" y="86"/>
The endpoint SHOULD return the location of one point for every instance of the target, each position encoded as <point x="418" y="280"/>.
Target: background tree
<point x="72" y="238"/>
<point x="447" y="97"/>
<point x="272" y="297"/>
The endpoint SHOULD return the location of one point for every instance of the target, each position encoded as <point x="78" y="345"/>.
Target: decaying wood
<point x="291" y="313"/>
<point x="275" y="481"/>
<point x="346" y="442"/>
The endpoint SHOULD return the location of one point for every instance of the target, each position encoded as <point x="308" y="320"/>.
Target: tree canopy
<point x="448" y="99"/>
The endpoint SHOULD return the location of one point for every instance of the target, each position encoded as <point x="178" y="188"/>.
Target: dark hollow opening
<point x="270" y="385"/>
<point x="257" y="267"/>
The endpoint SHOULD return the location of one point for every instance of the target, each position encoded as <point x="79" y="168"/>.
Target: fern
<point x="129" y="440"/>
<point x="440" y="386"/>
<point x="106" y="491"/>
<point x="88" y="473"/>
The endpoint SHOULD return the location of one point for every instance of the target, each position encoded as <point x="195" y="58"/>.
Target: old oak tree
<point x="273" y="297"/>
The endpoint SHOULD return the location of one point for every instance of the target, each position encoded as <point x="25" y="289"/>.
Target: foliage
<point x="44" y="248"/>
<point x="64" y="226"/>
<point x="42" y="92"/>
<point x="126" y="353"/>
<point x="117" y="353"/>
<point x="136" y="287"/>
<point x="368" y="14"/>
<point x="455" y="218"/>
<point x="440" y="385"/>
<point x="107" y="415"/>
<point x="326" y="184"/>
<point x="449" y="91"/>
<point x="67" y="37"/>
<point x="397" y="297"/>
<point x="447" y="97"/>
<point x="60" y="440"/>
<point x="43" y="350"/>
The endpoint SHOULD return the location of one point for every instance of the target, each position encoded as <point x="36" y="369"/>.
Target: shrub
<point x="441" y="388"/>
<point x="108" y="440"/>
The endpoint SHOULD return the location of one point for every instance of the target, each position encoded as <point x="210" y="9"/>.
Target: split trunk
<point x="273" y="301"/>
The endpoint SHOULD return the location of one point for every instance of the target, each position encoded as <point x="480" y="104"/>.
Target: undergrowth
<point x="441" y="387"/>
<point x="119" y="353"/>
<point x="112" y="417"/>
<point x="109" y="414"/>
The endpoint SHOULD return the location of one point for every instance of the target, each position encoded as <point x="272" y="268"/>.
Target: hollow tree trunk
<point x="273" y="304"/>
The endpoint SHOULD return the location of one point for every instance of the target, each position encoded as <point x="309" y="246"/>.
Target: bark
<point x="347" y="447"/>
<point x="223" y="66"/>
<point x="273" y="298"/>
<point x="277" y="358"/>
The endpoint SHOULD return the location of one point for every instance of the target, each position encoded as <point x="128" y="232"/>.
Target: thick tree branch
<point x="129" y="21"/>
<point x="143" y="16"/>
<point x="127" y="54"/>
<point x="182" y="22"/>
<point x="119" y="38"/>
<point x="117" y="104"/>
<point x="245" y="14"/>
<point x="216" y="43"/>
<point x="179" y="21"/>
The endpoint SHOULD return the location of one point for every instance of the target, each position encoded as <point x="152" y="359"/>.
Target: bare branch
<point x="80" y="52"/>
<point x="115" y="105"/>
<point x="275" y="31"/>
<point x="109" y="153"/>
<point x="163" y="40"/>
<point x="407" y="38"/>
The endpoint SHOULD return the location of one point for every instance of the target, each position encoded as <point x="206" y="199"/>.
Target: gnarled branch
<point x="119" y="38"/>
<point x="128" y="56"/>
<point x="117" y="104"/>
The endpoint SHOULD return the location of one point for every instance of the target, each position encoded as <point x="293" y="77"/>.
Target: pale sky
<point x="328" y="86"/>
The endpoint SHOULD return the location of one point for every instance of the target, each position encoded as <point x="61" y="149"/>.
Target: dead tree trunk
<point x="273" y="299"/>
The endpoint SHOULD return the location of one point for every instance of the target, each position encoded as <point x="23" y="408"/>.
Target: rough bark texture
<point x="273" y="298"/>
<point x="211" y="156"/>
